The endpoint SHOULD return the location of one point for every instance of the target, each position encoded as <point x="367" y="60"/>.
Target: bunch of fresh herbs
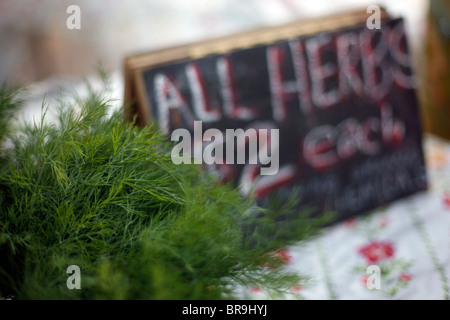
<point x="96" y="191"/>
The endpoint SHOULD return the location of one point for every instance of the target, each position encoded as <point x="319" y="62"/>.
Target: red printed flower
<point x="279" y="258"/>
<point x="405" y="277"/>
<point x="284" y="257"/>
<point x="447" y="200"/>
<point x="377" y="250"/>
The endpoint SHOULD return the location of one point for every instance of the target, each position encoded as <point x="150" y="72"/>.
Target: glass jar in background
<point x="436" y="84"/>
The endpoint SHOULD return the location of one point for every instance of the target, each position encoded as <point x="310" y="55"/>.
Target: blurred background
<point x="36" y="45"/>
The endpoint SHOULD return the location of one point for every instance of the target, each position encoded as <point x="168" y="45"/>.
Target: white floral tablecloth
<point x="409" y="240"/>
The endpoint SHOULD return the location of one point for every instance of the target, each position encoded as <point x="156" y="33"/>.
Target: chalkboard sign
<point x="334" y="111"/>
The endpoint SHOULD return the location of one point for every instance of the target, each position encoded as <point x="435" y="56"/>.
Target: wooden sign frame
<point x="350" y="152"/>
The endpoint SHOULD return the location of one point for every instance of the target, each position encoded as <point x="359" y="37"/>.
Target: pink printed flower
<point x="377" y="250"/>
<point x="405" y="277"/>
<point x="363" y="280"/>
<point x="384" y="222"/>
<point x="255" y="290"/>
<point x="297" y="289"/>
<point x="351" y="223"/>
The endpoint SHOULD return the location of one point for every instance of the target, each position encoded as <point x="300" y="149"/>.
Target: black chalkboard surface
<point x="342" y="103"/>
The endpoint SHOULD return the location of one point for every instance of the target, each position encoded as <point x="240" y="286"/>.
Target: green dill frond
<point x="11" y="100"/>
